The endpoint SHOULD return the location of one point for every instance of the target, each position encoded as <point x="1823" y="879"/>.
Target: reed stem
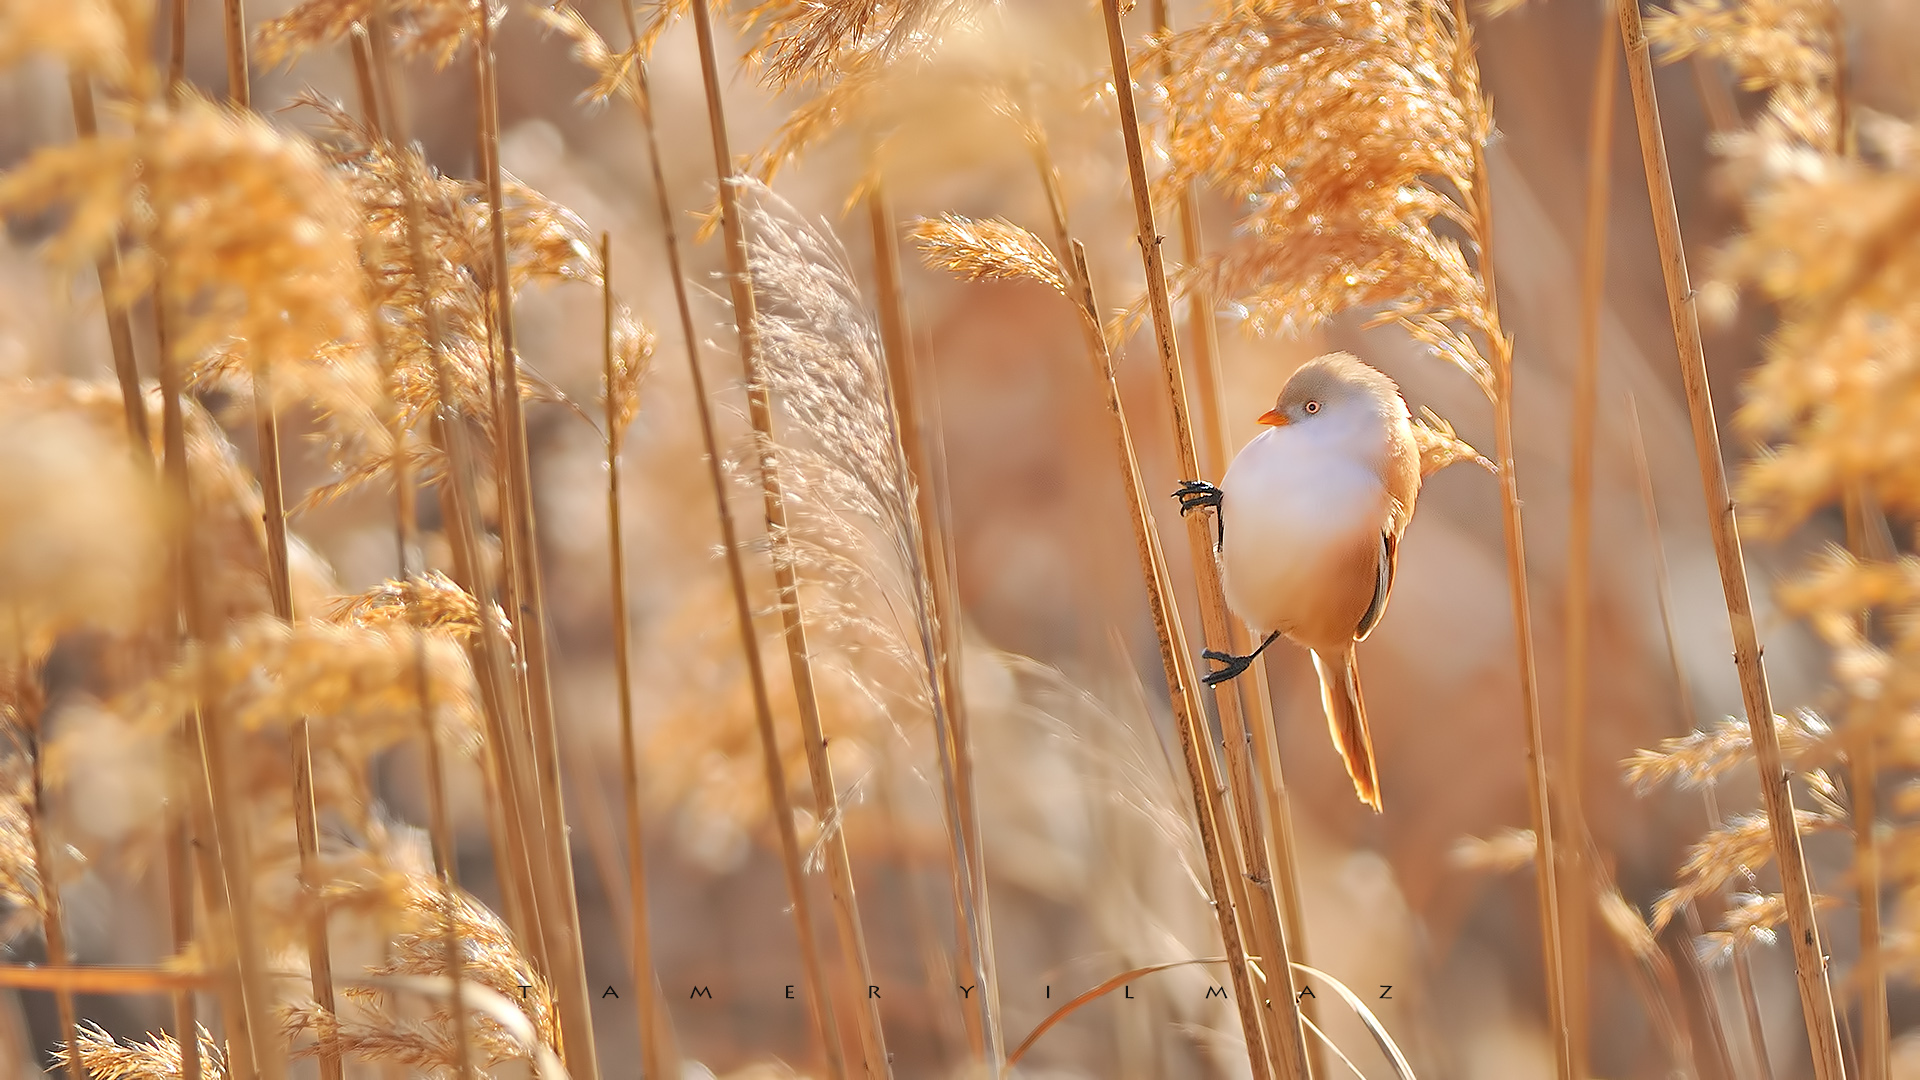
<point x="106" y="268"/>
<point x="760" y="413"/>
<point x="1810" y="969"/>
<point x="1210" y="808"/>
<point x="53" y="918"/>
<point x="1265" y="934"/>
<point x="560" y="905"/>
<point x="652" y="1018"/>
<point x="1579" y="607"/>
<point x="1663" y="591"/>
<point x="489" y="645"/>
<point x="1548" y="899"/>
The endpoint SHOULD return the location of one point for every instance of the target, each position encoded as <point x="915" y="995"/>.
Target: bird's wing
<point x="1382" y="584"/>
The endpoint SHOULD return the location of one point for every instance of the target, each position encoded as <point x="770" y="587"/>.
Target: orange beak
<point x="1275" y="418"/>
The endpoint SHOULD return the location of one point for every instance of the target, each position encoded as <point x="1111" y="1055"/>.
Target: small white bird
<point x="1311" y="515"/>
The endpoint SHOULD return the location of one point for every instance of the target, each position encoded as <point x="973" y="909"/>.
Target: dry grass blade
<point x="1381" y="1037"/>
<point x="801" y="41"/>
<point x="987" y="249"/>
<point x="1087" y="997"/>
<point x="103" y="980"/>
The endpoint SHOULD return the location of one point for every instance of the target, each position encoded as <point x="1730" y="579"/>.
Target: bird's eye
<point x="1312" y="407"/>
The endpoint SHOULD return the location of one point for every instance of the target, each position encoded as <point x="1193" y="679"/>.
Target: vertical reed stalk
<point x="1810" y="969"/>
<point x="458" y="497"/>
<point x="939" y="653"/>
<point x="218" y="842"/>
<point x="181" y="789"/>
<point x="560" y="907"/>
<point x="1210" y="809"/>
<point x="53" y="919"/>
<point x="106" y="268"/>
<point x="239" y="84"/>
<point x="1575" y="915"/>
<point x="1264" y="918"/>
<point x="651" y="1015"/>
<point x="1663" y="592"/>
<point x="1546" y="866"/>
<point x="1202" y="334"/>
<point x="760" y="413"/>
<point x="1868" y="537"/>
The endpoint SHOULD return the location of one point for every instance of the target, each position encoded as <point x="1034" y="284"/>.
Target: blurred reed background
<point x="344" y="343"/>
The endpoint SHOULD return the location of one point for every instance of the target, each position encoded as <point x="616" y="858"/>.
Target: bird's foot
<point x="1234" y="666"/>
<point x="1195" y="494"/>
<point x="1198" y="494"/>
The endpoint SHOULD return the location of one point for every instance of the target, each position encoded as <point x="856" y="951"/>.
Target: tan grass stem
<point x="1579" y="606"/>
<point x="1546" y="866"/>
<point x="559" y="908"/>
<point x="760" y="414"/>
<point x="458" y="497"/>
<point x="1263" y="915"/>
<point x="1810" y="971"/>
<point x="1210" y="809"/>
<point x="176" y="80"/>
<point x="104" y="980"/>
<point x="126" y="372"/>
<point x="53" y="918"/>
<point x="1663" y="592"/>
<point x="1256" y="697"/>
<point x="1868" y="537"/>
<point x="652" y="1017"/>
<point x="239" y="84"/>
<point x="184" y="780"/>
<point x="225" y="869"/>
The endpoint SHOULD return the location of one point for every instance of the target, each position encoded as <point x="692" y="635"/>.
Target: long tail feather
<point x="1347" y="722"/>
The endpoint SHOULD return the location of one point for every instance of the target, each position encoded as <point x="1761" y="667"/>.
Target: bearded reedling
<point x="1320" y="501"/>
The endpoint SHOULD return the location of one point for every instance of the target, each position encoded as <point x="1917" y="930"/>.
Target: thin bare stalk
<point x="1743" y="974"/>
<point x="1810" y="969"/>
<point x="489" y="646"/>
<point x="652" y="1018"/>
<point x="1210" y="809"/>
<point x="53" y="917"/>
<point x="1264" y="917"/>
<point x="182" y="792"/>
<point x="239" y="85"/>
<point x="1867" y="536"/>
<point x="760" y="413"/>
<point x="1257" y="700"/>
<point x="176" y="80"/>
<point x="559" y="905"/>
<point x="220" y="842"/>
<point x="86" y="125"/>
<point x="1546" y="866"/>
<point x="1575" y="915"/>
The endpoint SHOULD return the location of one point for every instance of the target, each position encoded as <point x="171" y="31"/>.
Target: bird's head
<point x="1337" y="384"/>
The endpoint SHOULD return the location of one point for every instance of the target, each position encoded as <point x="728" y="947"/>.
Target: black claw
<point x="1195" y="494"/>
<point x="1234" y="666"/>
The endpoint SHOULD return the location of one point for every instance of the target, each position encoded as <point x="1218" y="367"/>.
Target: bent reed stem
<point x="1810" y="968"/>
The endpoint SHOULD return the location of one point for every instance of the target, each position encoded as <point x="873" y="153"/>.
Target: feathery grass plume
<point x="79" y="527"/>
<point x="104" y="39"/>
<point x="1700" y="758"/>
<point x="987" y="249"/>
<point x="1346" y="129"/>
<point x="379" y="1031"/>
<point x="436" y="29"/>
<point x="1740" y="844"/>
<point x="800" y="41"/>
<point x="256" y="233"/>
<point x="430" y="601"/>
<point x="546" y="244"/>
<point x="1772" y="45"/>
<point x="356" y="684"/>
<point x="105" y="1058"/>
<point x="1440" y="447"/>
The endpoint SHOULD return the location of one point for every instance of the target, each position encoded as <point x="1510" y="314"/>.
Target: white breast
<point x="1294" y="498"/>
